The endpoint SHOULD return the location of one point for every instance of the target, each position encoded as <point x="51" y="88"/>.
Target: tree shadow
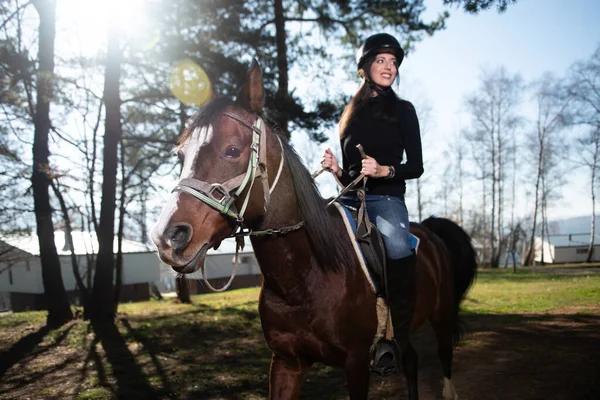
<point x="21" y="349"/>
<point x="220" y="356"/>
<point x="25" y="347"/>
<point x="152" y="352"/>
<point x="131" y="383"/>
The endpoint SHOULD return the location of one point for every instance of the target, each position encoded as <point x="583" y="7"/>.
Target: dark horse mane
<point x="323" y="230"/>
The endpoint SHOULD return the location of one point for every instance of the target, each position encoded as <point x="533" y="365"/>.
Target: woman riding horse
<point x="316" y="304"/>
<point x="386" y="128"/>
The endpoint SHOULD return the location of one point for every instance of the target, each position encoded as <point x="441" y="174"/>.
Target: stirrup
<point x="385" y="358"/>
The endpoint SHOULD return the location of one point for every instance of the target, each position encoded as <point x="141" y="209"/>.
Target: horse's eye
<point x="233" y="152"/>
<point x="180" y="155"/>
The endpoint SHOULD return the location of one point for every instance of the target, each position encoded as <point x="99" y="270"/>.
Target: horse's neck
<point x="285" y="259"/>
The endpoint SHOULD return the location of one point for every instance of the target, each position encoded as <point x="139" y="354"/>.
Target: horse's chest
<point x="291" y="332"/>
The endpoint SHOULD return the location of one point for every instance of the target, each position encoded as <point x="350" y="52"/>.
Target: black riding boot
<point x="400" y="276"/>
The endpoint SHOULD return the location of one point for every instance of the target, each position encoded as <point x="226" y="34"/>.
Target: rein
<point x="222" y="196"/>
<point x="363" y="217"/>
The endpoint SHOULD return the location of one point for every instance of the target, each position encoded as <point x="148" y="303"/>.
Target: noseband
<point x="222" y="196"/>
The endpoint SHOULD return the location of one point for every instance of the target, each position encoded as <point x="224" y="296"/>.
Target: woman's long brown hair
<point x="361" y="98"/>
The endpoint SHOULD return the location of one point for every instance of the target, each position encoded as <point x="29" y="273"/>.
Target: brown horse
<point x="315" y="304"/>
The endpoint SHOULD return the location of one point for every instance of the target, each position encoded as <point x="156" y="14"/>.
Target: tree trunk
<point x="102" y="305"/>
<point x="461" y="217"/>
<point x="182" y="289"/>
<point x="531" y="252"/>
<point x="590" y="252"/>
<point x="282" y="67"/>
<point x="120" y="231"/>
<point x="83" y="291"/>
<point x="59" y="310"/>
<point x="543" y="222"/>
<point x="494" y="258"/>
<point x="419" y="201"/>
<point x="483" y="210"/>
<point x="548" y="233"/>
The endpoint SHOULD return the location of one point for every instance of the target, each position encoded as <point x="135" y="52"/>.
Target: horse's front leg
<point x="285" y="378"/>
<point x="357" y="375"/>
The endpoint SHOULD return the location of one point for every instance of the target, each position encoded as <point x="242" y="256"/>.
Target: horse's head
<point x="223" y="177"/>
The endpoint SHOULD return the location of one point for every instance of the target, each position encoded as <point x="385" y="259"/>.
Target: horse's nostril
<point x="179" y="236"/>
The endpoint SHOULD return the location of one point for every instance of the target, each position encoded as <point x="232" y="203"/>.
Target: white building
<point x="571" y="248"/>
<point x="21" y="286"/>
<point x="218" y="267"/>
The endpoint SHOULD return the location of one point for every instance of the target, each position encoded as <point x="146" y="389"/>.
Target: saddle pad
<point x="352" y="232"/>
<point x="351" y="229"/>
<point x="414" y="242"/>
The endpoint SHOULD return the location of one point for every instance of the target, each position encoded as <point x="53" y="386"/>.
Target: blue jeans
<point x="390" y="215"/>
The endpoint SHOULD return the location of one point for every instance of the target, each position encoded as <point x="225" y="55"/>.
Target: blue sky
<point x="532" y="37"/>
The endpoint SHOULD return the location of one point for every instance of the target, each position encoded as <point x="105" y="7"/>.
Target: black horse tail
<point x="463" y="258"/>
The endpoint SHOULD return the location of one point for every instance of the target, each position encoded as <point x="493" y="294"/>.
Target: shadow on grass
<point x="21" y="349"/>
<point x="149" y="347"/>
<point x="26" y="347"/>
<point x="211" y="353"/>
<point x="131" y="381"/>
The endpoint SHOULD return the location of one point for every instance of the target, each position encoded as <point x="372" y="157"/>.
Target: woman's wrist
<point x="389" y="172"/>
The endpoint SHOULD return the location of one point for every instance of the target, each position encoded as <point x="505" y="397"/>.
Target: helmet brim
<point x="396" y="51"/>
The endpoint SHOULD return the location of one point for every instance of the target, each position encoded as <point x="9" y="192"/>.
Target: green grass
<point x="501" y="291"/>
<point x="24" y="318"/>
<point x="95" y="394"/>
<point x="215" y="347"/>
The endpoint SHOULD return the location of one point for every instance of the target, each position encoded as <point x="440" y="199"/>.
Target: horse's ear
<point x="252" y="93"/>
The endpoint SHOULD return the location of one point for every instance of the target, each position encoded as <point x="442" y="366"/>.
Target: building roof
<point x="228" y="247"/>
<point x="87" y="243"/>
<point x="574" y="240"/>
<point x="83" y="243"/>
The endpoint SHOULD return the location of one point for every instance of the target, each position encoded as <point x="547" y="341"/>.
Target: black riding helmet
<point x="374" y="44"/>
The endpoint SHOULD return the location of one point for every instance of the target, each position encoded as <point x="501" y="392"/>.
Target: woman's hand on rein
<point x="330" y="163"/>
<point x="371" y="168"/>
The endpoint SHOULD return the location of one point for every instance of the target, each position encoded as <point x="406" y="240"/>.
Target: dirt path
<point x="519" y="357"/>
<point x="553" y="356"/>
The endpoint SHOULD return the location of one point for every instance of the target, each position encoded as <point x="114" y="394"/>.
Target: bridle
<point x="222" y="196"/>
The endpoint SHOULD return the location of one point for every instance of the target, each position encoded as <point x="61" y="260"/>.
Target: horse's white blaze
<point x="449" y="392"/>
<point x="165" y="216"/>
<point x="191" y="150"/>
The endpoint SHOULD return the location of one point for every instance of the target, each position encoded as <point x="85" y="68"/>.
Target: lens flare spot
<point x="189" y="83"/>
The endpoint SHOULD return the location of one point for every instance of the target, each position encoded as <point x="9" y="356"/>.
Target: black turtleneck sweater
<point x="386" y="141"/>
